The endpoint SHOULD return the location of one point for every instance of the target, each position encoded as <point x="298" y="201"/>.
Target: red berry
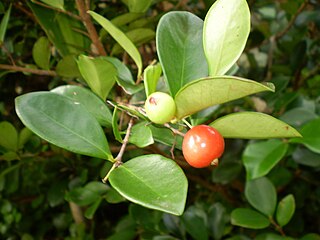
<point x="202" y="145"/>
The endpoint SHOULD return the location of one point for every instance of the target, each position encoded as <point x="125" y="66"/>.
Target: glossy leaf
<point x="166" y="136"/>
<point x="67" y="67"/>
<point x="121" y="38"/>
<point x="311" y="236"/>
<point x="227" y="171"/>
<point x="225" y="32"/>
<point x="63" y="122"/>
<point x="8" y="136"/>
<point x="115" y="125"/>
<point x="262" y="195"/>
<point x="298" y="116"/>
<point x="285" y="210"/>
<point x="4" y="24"/>
<point x="144" y="180"/>
<point x="138" y="36"/>
<point x="99" y="73"/>
<point x="194" y="220"/>
<point x="217" y="220"/>
<point x="90" y="211"/>
<point x="260" y="157"/>
<point x="253" y="125"/>
<point x="310" y="133"/>
<point x="55" y="3"/>
<point x="272" y="236"/>
<point x="306" y="157"/>
<point x="41" y="53"/>
<point x="151" y="76"/>
<point x="60" y="29"/>
<point x="207" y="92"/>
<point x="248" y="218"/>
<point x="24" y="135"/>
<point x="180" y="50"/>
<point x="89" y="100"/>
<point x="141" y="135"/>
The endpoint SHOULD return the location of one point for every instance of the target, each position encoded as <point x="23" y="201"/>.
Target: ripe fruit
<point x="202" y="145"/>
<point x="160" y="107"/>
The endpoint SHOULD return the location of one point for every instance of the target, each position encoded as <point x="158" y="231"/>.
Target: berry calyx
<point x="202" y="146"/>
<point x="160" y="107"/>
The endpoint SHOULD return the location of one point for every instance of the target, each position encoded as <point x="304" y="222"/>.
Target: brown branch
<point x="28" y="70"/>
<point x="86" y="19"/>
<point x="291" y="22"/>
<point x="76" y="213"/>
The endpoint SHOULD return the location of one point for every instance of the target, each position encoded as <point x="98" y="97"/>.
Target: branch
<point x="86" y="19"/>
<point x="76" y="213"/>
<point x="28" y="70"/>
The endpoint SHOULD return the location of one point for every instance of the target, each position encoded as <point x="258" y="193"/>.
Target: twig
<point x="28" y="70"/>
<point x="118" y="159"/>
<point x="293" y="19"/>
<point x="277" y="227"/>
<point x="76" y="213"/>
<point x="175" y="131"/>
<point x="57" y="10"/>
<point x="86" y="19"/>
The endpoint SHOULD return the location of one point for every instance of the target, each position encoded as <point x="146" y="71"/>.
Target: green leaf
<point x="151" y="76"/>
<point x="217" y="220"/>
<point x="311" y="236"/>
<point x="306" y="157"/>
<point x="194" y="220"/>
<point x="248" y="218"/>
<point x="227" y="171"/>
<point x="138" y="36"/>
<point x="121" y="38"/>
<point x="55" y="3"/>
<point x="115" y="126"/>
<point x="285" y="210"/>
<point x="166" y="136"/>
<point x="67" y="67"/>
<point x="60" y="29"/>
<point x="180" y="50"/>
<point x="41" y="53"/>
<point x="207" y="92"/>
<point x="141" y="135"/>
<point x="24" y="136"/>
<point x="271" y="236"/>
<point x="138" y="6"/>
<point x="310" y="133"/>
<point x="63" y="122"/>
<point x="90" y="211"/>
<point x="8" y="136"/>
<point x="152" y="181"/>
<point x="260" y="157"/>
<point x="262" y="195"/>
<point x="298" y="116"/>
<point x="253" y="125"/>
<point x="87" y="99"/>
<point x="99" y="73"/>
<point x="225" y="32"/>
<point x="4" y="24"/>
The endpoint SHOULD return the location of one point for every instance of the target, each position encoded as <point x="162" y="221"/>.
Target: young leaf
<point x="310" y="133"/>
<point x="151" y="76"/>
<point x="99" y="73"/>
<point x="89" y="100"/>
<point x="262" y="195"/>
<point x="121" y="38"/>
<point x="138" y="6"/>
<point x="8" y="136"/>
<point x="141" y="135"/>
<point x="41" y="53"/>
<point x="206" y="92"/>
<point x="260" y="157"/>
<point x="63" y="122"/>
<point x="180" y="50"/>
<point x="285" y="210"/>
<point x="4" y="24"/>
<point x="248" y="218"/>
<point x="253" y="125"/>
<point x="225" y="32"/>
<point x="55" y="3"/>
<point x="67" y="67"/>
<point x="152" y="181"/>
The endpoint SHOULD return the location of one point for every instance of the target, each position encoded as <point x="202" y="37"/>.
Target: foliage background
<point x="47" y="193"/>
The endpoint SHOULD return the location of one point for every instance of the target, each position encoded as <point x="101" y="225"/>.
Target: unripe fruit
<point x="202" y="146"/>
<point x="160" y="107"/>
